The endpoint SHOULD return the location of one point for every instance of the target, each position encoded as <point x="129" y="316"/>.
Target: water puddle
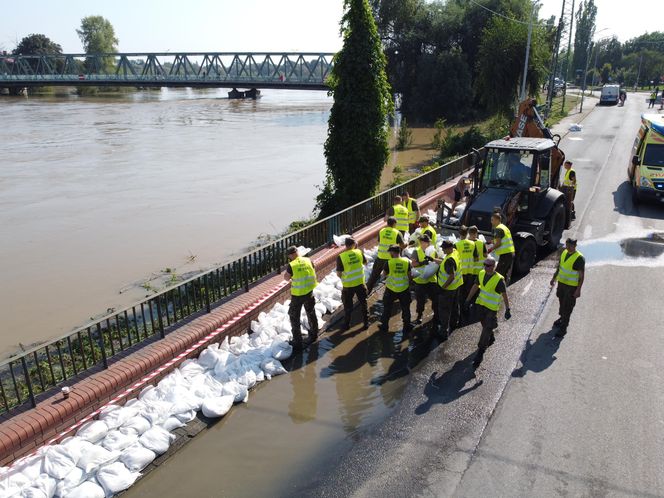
<point x="634" y="251"/>
<point x="271" y="446"/>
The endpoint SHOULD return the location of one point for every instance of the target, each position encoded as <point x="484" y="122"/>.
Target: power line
<point x="503" y="15"/>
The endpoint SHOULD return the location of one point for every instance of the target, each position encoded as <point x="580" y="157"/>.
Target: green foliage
<point x="98" y="37"/>
<point x="397" y="169"/>
<point x="37" y="44"/>
<point x="439" y="135"/>
<point x="405" y="136"/>
<point x="459" y="144"/>
<point x="430" y="167"/>
<point x="605" y="74"/>
<point x="497" y="127"/>
<point x="356" y="148"/>
<point x="584" y="31"/>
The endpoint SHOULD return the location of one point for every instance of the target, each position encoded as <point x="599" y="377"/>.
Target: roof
<point x="521" y="143"/>
<point x="656" y="121"/>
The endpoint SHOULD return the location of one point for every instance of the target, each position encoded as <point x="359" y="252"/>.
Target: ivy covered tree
<point x="356" y="148"/>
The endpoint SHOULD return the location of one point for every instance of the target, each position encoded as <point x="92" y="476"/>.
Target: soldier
<point x="302" y="276"/>
<point x="425" y="287"/>
<point x="397" y="286"/>
<point x="569" y="275"/>
<point x="449" y="281"/>
<point x="350" y="269"/>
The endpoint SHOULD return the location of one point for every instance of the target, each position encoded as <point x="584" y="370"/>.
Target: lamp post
<point x="525" y="64"/>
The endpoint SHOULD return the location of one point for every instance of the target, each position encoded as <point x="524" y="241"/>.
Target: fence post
<point x="161" y="322"/>
<point x="31" y="393"/>
<point x="104" y="359"/>
<point x="207" y="291"/>
<point x="245" y="270"/>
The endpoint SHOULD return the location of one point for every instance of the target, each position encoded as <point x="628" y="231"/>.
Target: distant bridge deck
<point x="292" y="71"/>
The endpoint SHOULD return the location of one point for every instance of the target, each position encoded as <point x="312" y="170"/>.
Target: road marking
<point x="575" y="138"/>
<point x="525" y="291"/>
<point x="588" y="232"/>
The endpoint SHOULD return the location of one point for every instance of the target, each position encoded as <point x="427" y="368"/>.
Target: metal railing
<point x="95" y="345"/>
<point x="263" y="70"/>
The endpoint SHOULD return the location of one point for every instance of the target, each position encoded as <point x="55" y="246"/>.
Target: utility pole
<point x="585" y="74"/>
<point x="567" y="55"/>
<point x="638" y="73"/>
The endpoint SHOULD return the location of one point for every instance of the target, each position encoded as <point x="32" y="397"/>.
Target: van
<point x="610" y="94"/>
<point x="646" y="169"/>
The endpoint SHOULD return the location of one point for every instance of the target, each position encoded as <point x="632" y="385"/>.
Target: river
<point x="105" y="200"/>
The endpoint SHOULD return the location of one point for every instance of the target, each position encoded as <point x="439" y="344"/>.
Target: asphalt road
<point x="579" y="417"/>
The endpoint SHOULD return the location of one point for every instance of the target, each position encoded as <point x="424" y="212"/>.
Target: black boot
<point x="557" y="323"/>
<point x="561" y="333"/>
<point x="478" y="358"/>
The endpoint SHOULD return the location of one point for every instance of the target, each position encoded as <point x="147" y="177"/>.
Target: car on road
<point x="646" y="169"/>
<point x="610" y="95"/>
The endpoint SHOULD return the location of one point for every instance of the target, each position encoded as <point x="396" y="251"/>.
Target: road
<point x="579" y="417"/>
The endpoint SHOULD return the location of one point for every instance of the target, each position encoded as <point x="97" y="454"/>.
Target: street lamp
<point x="525" y="64"/>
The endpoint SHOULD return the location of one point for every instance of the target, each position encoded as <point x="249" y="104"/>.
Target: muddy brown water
<point x="295" y="424"/>
<point x="99" y="196"/>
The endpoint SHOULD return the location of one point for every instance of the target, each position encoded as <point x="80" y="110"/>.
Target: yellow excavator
<point x="519" y="176"/>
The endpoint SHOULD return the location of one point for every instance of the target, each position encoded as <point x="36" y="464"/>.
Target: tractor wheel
<point x="526" y="252"/>
<point x="556" y="225"/>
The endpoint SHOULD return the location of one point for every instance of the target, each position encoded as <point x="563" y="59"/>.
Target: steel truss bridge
<point x="294" y="71"/>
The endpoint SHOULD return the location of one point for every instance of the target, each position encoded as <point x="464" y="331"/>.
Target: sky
<point x="246" y="25"/>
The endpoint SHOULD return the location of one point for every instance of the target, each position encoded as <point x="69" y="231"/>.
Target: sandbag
<point x="93" y="431"/>
<point x="30" y="467"/>
<point x="172" y="423"/>
<point x="239" y="392"/>
<point x="88" y="489"/>
<point x="281" y="350"/>
<point x="340" y="240"/>
<point x="96" y="456"/>
<point x="217" y="407"/>
<point x="118" y="441"/>
<point x="208" y="358"/>
<point x="157" y="439"/>
<point x="70" y="481"/>
<point x="190" y="368"/>
<point x="42" y="487"/>
<point x="115" y="478"/>
<point x="186" y="417"/>
<point x="138" y="424"/>
<point x="272" y="367"/>
<point x="136" y="457"/>
<point x="59" y="461"/>
<point x="116" y="418"/>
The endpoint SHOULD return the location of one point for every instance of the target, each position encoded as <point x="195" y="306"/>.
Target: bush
<point x="438" y="138"/>
<point x="458" y="144"/>
<point x="405" y="136"/>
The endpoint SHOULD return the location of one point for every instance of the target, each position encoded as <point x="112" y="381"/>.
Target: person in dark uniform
<point x="397" y="287"/>
<point x="425" y="288"/>
<point x="503" y="245"/>
<point x="450" y="280"/>
<point x="350" y="269"/>
<point x="491" y="286"/>
<point x="387" y="236"/>
<point x="570" y="276"/>
<point x="302" y="276"/>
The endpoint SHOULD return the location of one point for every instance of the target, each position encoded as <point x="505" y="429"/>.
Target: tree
<point x="605" y="74"/>
<point x="37" y="44"/>
<point x="98" y="37"/>
<point x="356" y="148"/>
<point x="585" y="30"/>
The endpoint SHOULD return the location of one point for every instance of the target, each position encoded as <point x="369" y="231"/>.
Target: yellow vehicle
<point x="646" y="170"/>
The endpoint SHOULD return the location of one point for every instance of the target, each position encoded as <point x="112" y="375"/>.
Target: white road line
<point x="588" y="232"/>
<point x="528" y="286"/>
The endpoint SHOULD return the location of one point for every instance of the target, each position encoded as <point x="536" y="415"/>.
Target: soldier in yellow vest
<point x="413" y="210"/>
<point x="480" y="253"/>
<point x="569" y="187"/>
<point x="466" y="250"/>
<point x="400" y="212"/>
<point x="350" y="269"/>
<point x="302" y="276"/>
<point x="569" y="275"/>
<point x="503" y="245"/>
<point x="397" y="287"/>
<point x="387" y="236"/>
<point x="491" y="286"/>
<point x="427" y="229"/>
<point x="425" y="287"/>
<point x="449" y="281"/>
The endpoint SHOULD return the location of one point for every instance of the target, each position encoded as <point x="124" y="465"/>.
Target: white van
<point x="610" y="94"/>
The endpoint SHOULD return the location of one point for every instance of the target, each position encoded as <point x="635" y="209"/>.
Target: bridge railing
<point x="161" y="68"/>
<point x="97" y="344"/>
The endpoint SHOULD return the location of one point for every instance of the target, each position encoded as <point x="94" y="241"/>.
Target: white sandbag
<point x="217" y="407"/>
<point x="208" y="358"/>
<point x="96" y="456"/>
<point x="239" y="392"/>
<point x="149" y="394"/>
<point x="191" y="368"/>
<point x="281" y="350"/>
<point x="303" y="251"/>
<point x="426" y="271"/>
<point x="118" y="441"/>
<point x="30" y="467"/>
<point x="59" y="461"/>
<point x="284" y="326"/>
<point x="70" y="481"/>
<point x="42" y="487"/>
<point x="138" y="424"/>
<point x="156" y="439"/>
<point x="88" y="489"/>
<point x="182" y="400"/>
<point x="11" y="485"/>
<point x="340" y="240"/>
<point x="157" y="412"/>
<point x="116" y="418"/>
<point x="93" y="431"/>
<point x="206" y="386"/>
<point x="137" y="457"/>
<point x="186" y="417"/>
<point x="320" y="308"/>
<point x="172" y="423"/>
<point x="115" y="478"/>
<point x="272" y="367"/>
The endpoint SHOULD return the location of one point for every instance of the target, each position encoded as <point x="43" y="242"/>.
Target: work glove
<point x="508" y="314"/>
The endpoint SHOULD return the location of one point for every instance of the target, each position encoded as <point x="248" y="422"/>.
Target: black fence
<point x="44" y="367"/>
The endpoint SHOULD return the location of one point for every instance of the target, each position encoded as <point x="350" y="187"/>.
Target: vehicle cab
<point x="646" y="169"/>
<point x="610" y="94"/>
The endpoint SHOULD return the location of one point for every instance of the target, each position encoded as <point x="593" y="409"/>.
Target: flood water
<point x="297" y="425"/>
<point x="99" y="196"/>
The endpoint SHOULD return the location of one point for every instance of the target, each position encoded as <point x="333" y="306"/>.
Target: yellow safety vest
<point x="303" y="280"/>
<point x="386" y="237"/>
<point x="488" y="297"/>
<point x="431" y="233"/>
<point x="353" y="274"/>
<point x="412" y="218"/>
<point x="442" y="276"/>
<point x="478" y="264"/>
<point x="507" y="244"/>
<point x="567" y="181"/>
<point x="566" y="273"/>
<point x="420" y="259"/>
<point x="401" y="214"/>
<point x="466" y="248"/>
<point x="397" y="278"/>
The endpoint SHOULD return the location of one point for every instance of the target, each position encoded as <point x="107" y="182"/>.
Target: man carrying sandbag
<point x="302" y="276"/>
<point x="350" y="269"/>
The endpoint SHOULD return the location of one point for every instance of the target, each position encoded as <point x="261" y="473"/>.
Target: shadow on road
<point x="538" y="356"/>
<point x="449" y="386"/>
<point x="622" y="201"/>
